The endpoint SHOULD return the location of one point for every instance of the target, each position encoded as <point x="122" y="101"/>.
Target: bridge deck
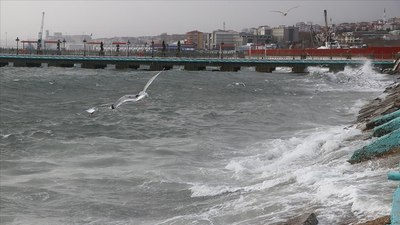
<point x="195" y="62"/>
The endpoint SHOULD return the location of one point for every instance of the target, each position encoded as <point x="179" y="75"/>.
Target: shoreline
<point x="386" y="103"/>
<point x="376" y="114"/>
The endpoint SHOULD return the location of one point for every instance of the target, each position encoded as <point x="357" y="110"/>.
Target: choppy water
<point x="199" y="150"/>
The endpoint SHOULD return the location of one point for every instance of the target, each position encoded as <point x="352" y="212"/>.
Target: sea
<point x="205" y="147"/>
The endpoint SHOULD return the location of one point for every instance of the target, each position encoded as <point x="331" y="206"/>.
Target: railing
<point x="375" y="53"/>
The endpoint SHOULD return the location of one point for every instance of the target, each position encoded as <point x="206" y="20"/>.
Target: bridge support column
<point x="93" y="66"/>
<point x="265" y="69"/>
<point x="336" y="68"/>
<point x="55" y="64"/>
<point x="193" y="67"/>
<point x="229" y="68"/>
<point x="27" y="64"/>
<point x="299" y="69"/>
<point x="121" y="66"/>
<point x="133" y="66"/>
<point x="3" y="64"/>
<point x="158" y="67"/>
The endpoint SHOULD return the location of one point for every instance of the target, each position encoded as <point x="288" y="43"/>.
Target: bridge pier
<point x="265" y="69"/>
<point x="229" y="68"/>
<point x="133" y="66"/>
<point x="336" y="68"/>
<point x="3" y="64"/>
<point x="93" y="66"/>
<point x="56" y="64"/>
<point x="27" y="64"/>
<point x="194" y="67"/>
<point x="299" y="69"/>
<point x="159" y="66"/>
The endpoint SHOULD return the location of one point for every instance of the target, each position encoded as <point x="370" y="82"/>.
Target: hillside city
<point x="301" y="35"/>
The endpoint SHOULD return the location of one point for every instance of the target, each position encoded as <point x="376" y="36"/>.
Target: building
<point x="228" y="40"/>
<point x="196" y="38"/>
<point x="291" y="34"/>
<point x="284" y="34"/>
<point x="255" y="39"/>
<point x="264" y="30"/>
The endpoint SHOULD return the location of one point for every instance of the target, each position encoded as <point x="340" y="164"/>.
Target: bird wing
<point x="123" y="99"/>
<point x="279" y="12"/>
<point x="151" y="80"/>
<point x="292" y="8"/>
<point x="91" y="110"/>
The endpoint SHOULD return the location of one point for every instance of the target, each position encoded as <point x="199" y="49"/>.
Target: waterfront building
<point x="196" y="38"/>
<point x="285" y="34"/>
<point x="229" y="39"/>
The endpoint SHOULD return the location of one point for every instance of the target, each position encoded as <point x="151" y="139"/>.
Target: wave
<point x="364" y="78"/>
<point x="313" y="164"/>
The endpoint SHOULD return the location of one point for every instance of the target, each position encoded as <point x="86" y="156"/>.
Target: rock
<point x="381" y="106"/>
<point x="380" y="221"/>
<point x="306" y="219"/>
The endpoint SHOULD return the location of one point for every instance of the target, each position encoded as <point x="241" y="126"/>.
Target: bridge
<point x="298" y="65"/>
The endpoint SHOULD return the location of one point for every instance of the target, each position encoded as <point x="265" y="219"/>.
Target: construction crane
<point x="328" y="35"/>
<point x="40" y="38"/>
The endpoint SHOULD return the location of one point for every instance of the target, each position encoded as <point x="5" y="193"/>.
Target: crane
<point x="326" y="26"/>
<point x="40" y="38"/>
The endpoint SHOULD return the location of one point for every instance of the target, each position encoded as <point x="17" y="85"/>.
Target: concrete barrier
<point x="395" y="214"/>
<point x="386" y="128"/>
<point x="384" y="145"/>
<point x="383" y="119"/>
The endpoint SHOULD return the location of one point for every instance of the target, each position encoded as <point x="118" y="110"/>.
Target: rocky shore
<point x="383" y="111"/>
<point x="381" y="118"/>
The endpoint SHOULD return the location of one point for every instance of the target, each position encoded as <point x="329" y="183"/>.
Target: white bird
<point x="91" y="110"/>
<point x="137" y="97"/>
<point x="238" y="84"/>
<point x="287" y="11"/>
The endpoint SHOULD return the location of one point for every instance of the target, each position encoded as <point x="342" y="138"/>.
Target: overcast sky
<point x="139" y="18"/>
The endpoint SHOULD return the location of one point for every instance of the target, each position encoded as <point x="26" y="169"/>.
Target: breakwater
<point x="194" y="64"/>
<point x="381" y="119"/>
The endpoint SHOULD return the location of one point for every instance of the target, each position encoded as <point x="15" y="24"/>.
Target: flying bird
<point x="134" y="98"/>
<point x="287" y="11"/>
<point x="237" y="84"/>
<point x="91" y="110"/>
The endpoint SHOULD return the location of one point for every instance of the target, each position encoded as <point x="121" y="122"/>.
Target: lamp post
<point x="58" y="47"/>
<point x="222" y="50"/>
<point x="84" y="47"/>
<point x="17" y="40"/>
<point x="152" y="48"/>
<point x="128" y="47"/>
<point x="64" y="43"/>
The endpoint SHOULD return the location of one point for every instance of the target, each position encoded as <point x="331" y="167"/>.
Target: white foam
<point x="361" y="79"/>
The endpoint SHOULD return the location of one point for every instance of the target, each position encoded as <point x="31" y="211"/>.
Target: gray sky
<point x="137" y="18"/>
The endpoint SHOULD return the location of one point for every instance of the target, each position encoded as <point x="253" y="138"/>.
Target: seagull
<point x="238" y="84"/>
<point x="134" y="98"/>
<point x="91" y="110"/>
<point x="287" y="11"/>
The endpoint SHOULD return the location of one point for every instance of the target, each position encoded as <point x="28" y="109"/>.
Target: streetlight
<point x="58" y="47"/>
<point x="84" y="47"/>
<point x="152" y="48"/>
<point x="17" y="40"/>
<point x="128" y="47"/>
<point x="64" y="43"/>
<point x="222" y="50"/>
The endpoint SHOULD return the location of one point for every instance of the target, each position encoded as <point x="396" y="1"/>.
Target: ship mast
<point x="40" y="36"/>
